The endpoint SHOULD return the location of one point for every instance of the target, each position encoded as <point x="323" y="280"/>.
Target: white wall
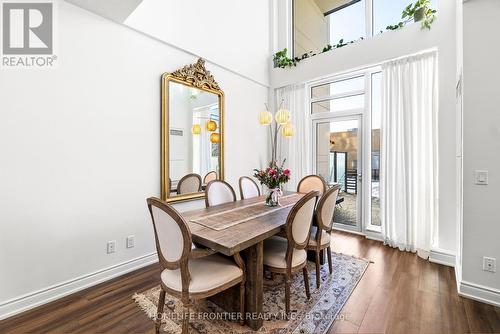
<point x="481" y="223"/>
<point x="80" y="153"/>
<point x="459" y="138"/>
<point x="391" y="45"/>
<point x="233" y="33"/>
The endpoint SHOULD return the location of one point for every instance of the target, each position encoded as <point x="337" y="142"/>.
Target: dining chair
<point x="219" y="192"/>
<point x="248" y="188"/>
<point x="288" y="255"/>
<point x="210" y="176"/>
<point x="321" y="233"/>
<point x="312" y="182"/>
<point x="190" y="183"/>
<point x="187" y="273"/>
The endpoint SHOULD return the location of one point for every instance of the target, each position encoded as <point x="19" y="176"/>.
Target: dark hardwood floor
<point x="399" y="293"/>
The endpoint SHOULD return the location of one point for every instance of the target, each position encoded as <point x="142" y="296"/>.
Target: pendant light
<point x="196" y="129"/>
<point x="211" y="126"/>
<point x="265" y="117"/>
<point x="215" y="137"/>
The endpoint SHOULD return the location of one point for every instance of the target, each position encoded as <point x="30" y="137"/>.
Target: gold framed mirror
<point x="192" y="132"/>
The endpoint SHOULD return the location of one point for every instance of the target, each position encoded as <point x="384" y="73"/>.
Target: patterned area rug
<point x="308" y="316"/>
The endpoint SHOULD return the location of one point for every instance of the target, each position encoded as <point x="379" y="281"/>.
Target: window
<point x="345" y="135"/>
<point x="341" y="95"/>
<point x="347" y="23"/>
<point x="376" y="108"/>
<point x="387" y="12"/>
<point x="339" y="87"/>
<point x="339" y="104"/>
<point x="317" y="23"/>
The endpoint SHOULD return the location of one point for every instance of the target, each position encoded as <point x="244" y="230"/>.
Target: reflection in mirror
<point x="194" y="138"/>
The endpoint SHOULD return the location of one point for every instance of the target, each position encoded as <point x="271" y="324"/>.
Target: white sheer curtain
<point x="409" y="153"/>
<point x="294" y="149"/>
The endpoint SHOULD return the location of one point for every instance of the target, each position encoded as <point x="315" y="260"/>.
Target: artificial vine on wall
<point x="420" y="11"/>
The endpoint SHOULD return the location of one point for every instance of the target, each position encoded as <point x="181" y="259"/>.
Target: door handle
<point x="360" y="177"/>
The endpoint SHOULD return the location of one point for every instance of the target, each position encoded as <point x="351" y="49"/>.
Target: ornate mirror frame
<point x="196" y="76"/>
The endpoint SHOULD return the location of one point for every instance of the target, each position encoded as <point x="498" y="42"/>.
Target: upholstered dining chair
<point x="248" y="188"/>
<point x="189" y="273"/>
<point x="210" y="176"/>
<point x="190" y="183"/>
<point x="219" y="192"/>
<point x="312" y="182"/>
<point x="321" y="233"/>
<point x="288" y="255"/>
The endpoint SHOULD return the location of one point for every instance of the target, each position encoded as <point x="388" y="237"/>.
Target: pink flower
<point x="272" y="172"/>
<point x="286" y="172"/>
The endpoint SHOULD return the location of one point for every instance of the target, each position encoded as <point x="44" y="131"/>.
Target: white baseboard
<point x="33" y="299"/>
<point x="441" y="256"/>
<point x="479" y="292"/>
<point x="374" y="236"/>
<point x="458" y="274"/>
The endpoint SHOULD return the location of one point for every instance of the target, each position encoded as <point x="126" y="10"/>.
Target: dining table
<point x="241" y="227"/>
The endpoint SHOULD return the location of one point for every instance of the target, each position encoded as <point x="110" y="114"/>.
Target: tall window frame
<point x="369" y="22"/>
<point x="367" y="227"/>
<point x="291" y="12"/>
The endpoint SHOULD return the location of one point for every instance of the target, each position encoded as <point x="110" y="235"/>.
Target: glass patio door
<point x="337" y="158"/>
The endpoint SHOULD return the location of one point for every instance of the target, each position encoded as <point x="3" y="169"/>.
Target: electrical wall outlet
<point x="481" y="177"/>
<point x="111" y="246"/>
<point x="130" y="241"/>
<point x="490" y="264"/>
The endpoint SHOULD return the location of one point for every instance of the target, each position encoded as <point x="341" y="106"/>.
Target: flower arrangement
<point x="273" y="177"/>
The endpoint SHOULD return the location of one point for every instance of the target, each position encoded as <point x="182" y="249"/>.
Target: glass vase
<point x="273" y="197"/>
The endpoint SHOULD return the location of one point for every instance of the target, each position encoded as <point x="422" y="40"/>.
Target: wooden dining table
<point x="247" y="237"/>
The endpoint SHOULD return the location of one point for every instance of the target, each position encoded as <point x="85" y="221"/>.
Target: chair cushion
<point x="275" y="253"/>
<point x="325" y="237"/>
<point x="207" y="273"/>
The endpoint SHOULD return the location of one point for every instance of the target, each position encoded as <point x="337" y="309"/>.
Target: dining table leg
<point x="254" y="260"/>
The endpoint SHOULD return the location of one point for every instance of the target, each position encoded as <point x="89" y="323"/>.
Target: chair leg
<point x="318" y="274"/>
<point x="330" y="265"/>
<point x="288" y="282"/>
<point x="185" y="317"/>
<point x="159" y="313"/>
<point x="306" y="281"/>
<point x="242" y="303"/>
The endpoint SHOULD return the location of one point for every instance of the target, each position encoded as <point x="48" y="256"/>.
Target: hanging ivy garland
<point x="414" y="12"/>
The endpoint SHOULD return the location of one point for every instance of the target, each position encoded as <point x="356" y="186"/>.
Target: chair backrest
<point x="219" y="192"/>
<point x="312" y="182"/>
<point x="210" y="176"/>
<point x="190" y="183"/>
<point x="299" y="220"/>
<point x="326" y="208"/>
<point x="248" y="188"/>
<point x="172" y="235"/>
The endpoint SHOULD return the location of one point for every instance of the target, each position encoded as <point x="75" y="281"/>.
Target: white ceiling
<point x="116" y="10"/>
